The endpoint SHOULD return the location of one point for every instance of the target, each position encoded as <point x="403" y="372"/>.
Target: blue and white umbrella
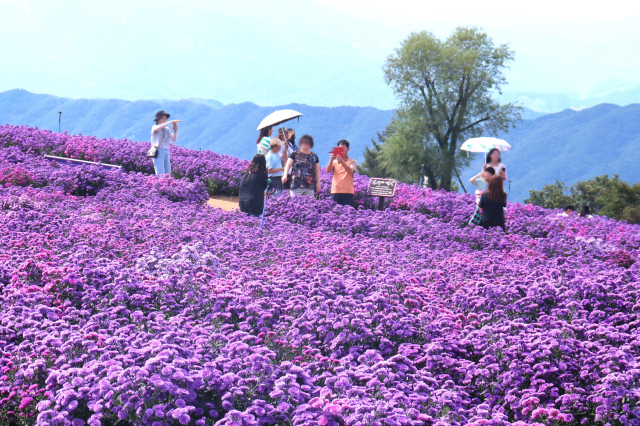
<point x="485" y="144"/>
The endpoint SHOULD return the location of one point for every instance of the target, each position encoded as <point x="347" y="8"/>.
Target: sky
<point x="318" y="52"/>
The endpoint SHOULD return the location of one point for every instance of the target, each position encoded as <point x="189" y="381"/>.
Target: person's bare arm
<point x="473" y="179"/>
<point x="157" y="127"/>
<point x="174" y="136"/>
<point x="330" y="165"/>
<point x="318" y="182"/>
<point x="279" y="169"/>
<point x="350" y="167"/>
<point x="287" y="167"/>
<point x="503" y="174"/>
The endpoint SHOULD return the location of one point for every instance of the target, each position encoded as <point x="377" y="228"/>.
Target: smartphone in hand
<point x="337" y="151"/>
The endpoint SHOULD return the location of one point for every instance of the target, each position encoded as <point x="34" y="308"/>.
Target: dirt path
<point x="224" y="202"/>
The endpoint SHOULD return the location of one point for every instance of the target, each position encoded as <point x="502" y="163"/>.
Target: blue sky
<point x="324" y="52"/>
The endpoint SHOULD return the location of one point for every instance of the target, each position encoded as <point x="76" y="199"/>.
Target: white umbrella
<point x="278" y="117"/>
<point x="485" y="144"/>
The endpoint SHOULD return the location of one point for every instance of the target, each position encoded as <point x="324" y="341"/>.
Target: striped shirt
<point x="264" y="146"/>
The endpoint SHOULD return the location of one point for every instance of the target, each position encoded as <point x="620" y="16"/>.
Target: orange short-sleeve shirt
<point x="342" y="180"/>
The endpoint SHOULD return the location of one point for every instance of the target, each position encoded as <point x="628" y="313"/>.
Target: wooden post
<point x="381" y="204"/>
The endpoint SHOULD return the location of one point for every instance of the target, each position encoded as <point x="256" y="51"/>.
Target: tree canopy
<point x="446" y="90"/>
<point x="605" y="196"/>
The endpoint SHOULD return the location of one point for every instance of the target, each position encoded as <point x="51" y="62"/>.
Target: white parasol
<point x="485" y="144"/>
<point x="278" y="117"/>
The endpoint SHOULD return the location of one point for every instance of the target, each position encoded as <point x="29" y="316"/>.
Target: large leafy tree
<point x="446" y="89"/>
<point x="408" y="147"/>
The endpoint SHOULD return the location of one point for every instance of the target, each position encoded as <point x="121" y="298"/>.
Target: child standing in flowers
<point x="493" y="202"/>
<point x="252" y="186"/>
<point x="481" y="180"/>
<point x="274" y="165"/>
<point x="305" y="167"/>
<point x="161" y="138"/>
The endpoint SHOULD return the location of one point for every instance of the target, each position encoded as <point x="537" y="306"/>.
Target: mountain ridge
<point x="545" y="148"/>
<point x="570" y="146"/>
<point x="227" y="129"/>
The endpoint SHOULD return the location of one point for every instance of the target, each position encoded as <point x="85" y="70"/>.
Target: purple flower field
<point x="125" y="300"/>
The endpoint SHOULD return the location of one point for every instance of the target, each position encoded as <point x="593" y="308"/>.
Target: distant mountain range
<point x="571" y="146"/>
<point x="567" y="146"/>
<point x="226" y="129"/>
<point x="612" y="92"/>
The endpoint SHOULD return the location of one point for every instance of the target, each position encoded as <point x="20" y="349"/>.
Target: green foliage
<point x="551" y="196"/>
<point x="605" y="196"/>
<point x="446" y="90"/>
<point x="407" y="148"/>
<point x="372" y="164"/>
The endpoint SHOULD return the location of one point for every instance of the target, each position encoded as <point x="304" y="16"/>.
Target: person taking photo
<point x="493" y="202"/>
<point x="161" y="138"/>
<point x="481" y="182"/>
<point x="343" y="168"/>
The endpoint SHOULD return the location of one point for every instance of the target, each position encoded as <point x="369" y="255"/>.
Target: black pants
<point x="343" y="199"/>
<point x="276" y="183"/>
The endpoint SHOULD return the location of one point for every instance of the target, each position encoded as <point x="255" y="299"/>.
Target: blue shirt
<point x="274" y="162"/>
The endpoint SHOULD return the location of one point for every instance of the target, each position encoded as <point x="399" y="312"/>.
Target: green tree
<point x="372" y="164"/>
<point x="553" y="196"/>
<point x="611" y="197"/>
<point x="408" y="147"/>
<point x="446" y="90"/>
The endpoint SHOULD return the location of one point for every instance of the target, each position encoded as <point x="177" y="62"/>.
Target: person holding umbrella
<point x="268" y="123"/>
<point x="264" y="141"/>
<point x="161" y="139"/>
<point x="494" y="159"/>
<point x="493" y="149"/>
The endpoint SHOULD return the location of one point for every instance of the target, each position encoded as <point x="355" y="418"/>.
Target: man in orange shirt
<point x="343" y="169"/>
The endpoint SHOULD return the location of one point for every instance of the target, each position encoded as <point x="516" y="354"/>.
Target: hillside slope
<point x="228" y="129"/>
<point x="571" y="146"/>
<point x="122" y="291"/>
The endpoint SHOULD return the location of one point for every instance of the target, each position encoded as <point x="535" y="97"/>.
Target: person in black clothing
<point x="492" y="202"/>
<point x="252" y="186"/>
